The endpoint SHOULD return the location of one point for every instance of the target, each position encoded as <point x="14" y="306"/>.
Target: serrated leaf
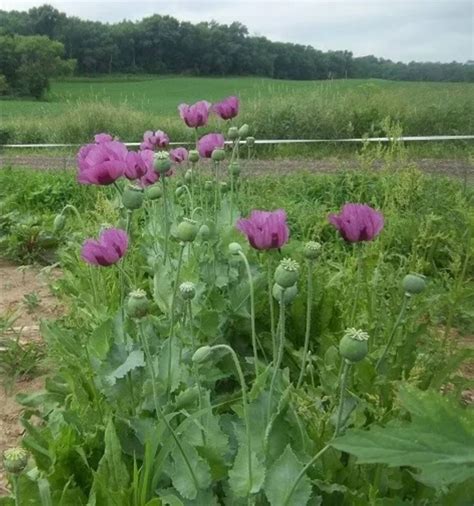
<point x="188" y="484"/>
<point x="240" y="481"/>
<point x="135" y="359"/>
<point x="438" y="441"/>
<point x="176" y="371"/>
<point x="281" y="478"/>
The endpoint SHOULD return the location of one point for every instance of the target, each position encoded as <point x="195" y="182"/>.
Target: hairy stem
<point x="309" y="301"/>
<point x="343" y="380"/>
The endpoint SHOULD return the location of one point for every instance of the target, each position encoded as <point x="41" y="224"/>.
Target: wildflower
<point x="100" y="138"/>
<point x="179" y="155"/>
<point x="227" y="108"/>
<point x="103" y="163"/>
<point x="208" y="143"/>
<point x="265" y="230"/>
<point x="195" y="115"/>
<point x="357" y="222"/>
<point x="153" y="140"/>
<point x="108" y="250"/>
<point x="136" y="166"/>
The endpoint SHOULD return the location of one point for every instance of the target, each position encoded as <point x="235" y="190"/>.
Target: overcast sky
<point x="402" y="30"/>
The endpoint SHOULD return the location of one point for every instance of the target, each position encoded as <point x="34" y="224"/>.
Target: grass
<point x="76" y="109"/>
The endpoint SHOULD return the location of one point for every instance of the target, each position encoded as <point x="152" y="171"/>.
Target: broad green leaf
<point x="189" y="481"/>
<point x="135" y="359"/>
<point x="177" y="370"/>
<point x="99" y="342"/>
<point x="438" y="441"/>
<point x="281" y="478"/>
<point x="240" y="481"/>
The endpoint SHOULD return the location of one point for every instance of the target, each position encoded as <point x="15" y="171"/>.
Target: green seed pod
<point x="162" y="162"/>
<point x="289" y="294"/>
<point x="233" y="133"/>
<point x="59" y="223"/>
<point x="187" y="398"/>
<point x="181" y="190"/>
<point x="15" y="460"/>
<point x="209" y="185"/>
<point x="244" y="130"/>
<point x="224" y="187"/>
<point x="188" y="176"/>
<point x="250" y="142"/>
<point x="286" y="274"/>
<point x="413" y="284"/>
<point x="235" y="248"/>
<point x="132" y="198"/>
<point x="137" y="304"/>
<point x="187" y="230"/>
<point x="204" y="232"/>
<point x="202" y="354"/>
<point x="193" y="156"/>
<point x="187" y="290"/>
<point x="353" y="346"/>
<point x="234" y="169"/>
<point x="218" y="155"/>
<point x="154" y="192"/>
<point x="311" y="250"/>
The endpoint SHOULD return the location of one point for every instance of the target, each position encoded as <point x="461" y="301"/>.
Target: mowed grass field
<point x="77" y="108"/>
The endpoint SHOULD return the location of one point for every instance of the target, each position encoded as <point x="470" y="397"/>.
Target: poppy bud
<point x="353" y="346"/>
<point x="187" y="230"/>
<point x="234" y="169"/>
<point x="235" y="248"/>
<point x="204" y="232"/>
<point x="289" y="294"/>
<point x="188" y="176"/>
<point x="244" y="130"/>
<point x="202" y="354"/>
<point x="15" y="460"/>
<point x="233" y="133"/>
<point x="193" y="156"/>
<point x="59" y="223"/>
<point x="162" y="162"/>
<point x="218" y="155"/>
<point x="187" y="290"/>
<point x="286" y="274"/>
<point x="187" y="398"/>
<point x="132" y="197"/>
<point x="154" y="192"/>
<point x="413" y="284"/>
<point x="311" y="250"/>
<point x="137" y="304"/>
<point x="250" y="142"/>
<point x="180" y="191"/>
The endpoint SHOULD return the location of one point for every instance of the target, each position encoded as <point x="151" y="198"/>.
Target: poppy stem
<point x="165" y="217"/>
<point x="309" y="301"/>
<point x="272" y="307"/>
<point x="343" y="379"/>
<point x="355" y="302"/>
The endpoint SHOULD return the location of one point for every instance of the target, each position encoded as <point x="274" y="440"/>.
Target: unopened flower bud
<point x="353" y="346"/>
<point x="235" y="248"/>
<point x="187" y="398"/>
<point x="413" y="284"/>
<point x="180" y="191"/>
<point x="187" y="230"/>
<point x="312" y="250"/>
<point x="218" y="155"/>
<point x="188" y="176"/>
<point x="250" y="142"/>
<point x="15" y="460"/>
<point x="202" y="354"/>
<point x="234" y="168"/>
<point x="244" y="130"/>
<point x="137" y="304"/>
<point x="162" y="162"/>
<point x="59" y="223"/>
<point x="154" y="192"/>
<point x="132" y="197"/>
<point x="289" y="294"/>
<point x="204" y="232"/>
<point x="286" y="274"/>
<point x="187" y="290"/>
<point x="233" y="133"/>
<point x="193" y="156"/>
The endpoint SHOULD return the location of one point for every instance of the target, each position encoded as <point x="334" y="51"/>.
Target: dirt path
<point x="452" y="167"/>
<point x="25" y="299"/>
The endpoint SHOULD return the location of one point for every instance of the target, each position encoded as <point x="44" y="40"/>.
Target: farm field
<point x="77" y="108"/>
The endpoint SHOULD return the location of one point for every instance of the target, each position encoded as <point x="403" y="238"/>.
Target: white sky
<point x="402" y="30"/>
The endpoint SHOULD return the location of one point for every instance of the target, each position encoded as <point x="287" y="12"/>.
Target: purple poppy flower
<point x="179" y="155"/>
<point x="227" y="108"/>
<point x="100" y="138"/>
<point x="264" y="229"/>
<point x="195" y="115"/>
<point x="208" y="143"/>
<point x="151" y="176"/>
<point x="108" y="250"/>
<point x="101" y="164"/>
<point x="136" y="166"/>
<point x="357" y="222"/>
<point x="153" y="140"/>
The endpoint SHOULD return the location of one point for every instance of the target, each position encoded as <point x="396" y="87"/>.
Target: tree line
<point x="162" y="45"/>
